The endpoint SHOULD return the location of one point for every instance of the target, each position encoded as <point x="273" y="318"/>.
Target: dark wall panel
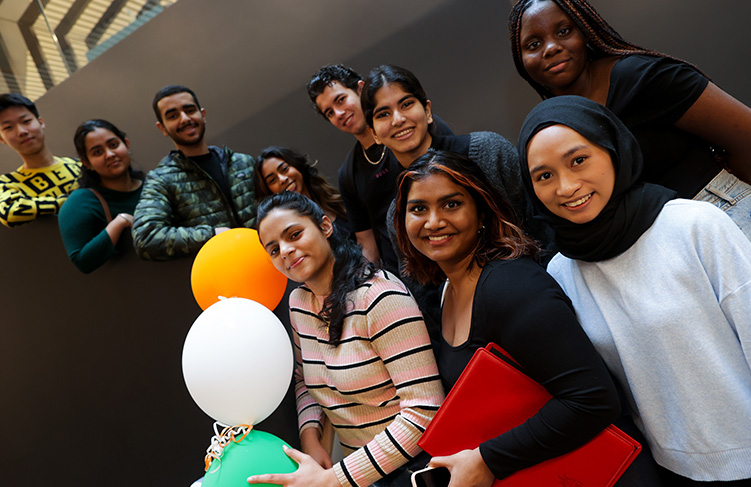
<point x="92" y="384"/>
<point x="91" y="378"/>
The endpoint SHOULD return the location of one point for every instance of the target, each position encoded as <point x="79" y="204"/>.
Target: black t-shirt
<point x="521" y="308"/>
<point x="213" y="166"/>
<point x="649" y="94"/>
<point x="375" y="186"/>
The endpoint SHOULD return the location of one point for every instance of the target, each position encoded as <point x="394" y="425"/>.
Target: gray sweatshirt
<point x="671" y="317"/>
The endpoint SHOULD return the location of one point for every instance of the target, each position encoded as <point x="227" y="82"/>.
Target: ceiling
<point x="42" y="42"/>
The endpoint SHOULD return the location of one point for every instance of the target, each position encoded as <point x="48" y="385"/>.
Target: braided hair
<point x="602" y="39"/>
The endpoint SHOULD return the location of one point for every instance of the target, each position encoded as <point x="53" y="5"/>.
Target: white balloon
<point x="237" y="361"/>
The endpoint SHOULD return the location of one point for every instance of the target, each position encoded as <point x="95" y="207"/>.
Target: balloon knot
<point x="219" y="441"/>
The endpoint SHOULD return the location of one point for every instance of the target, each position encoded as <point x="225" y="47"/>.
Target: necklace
<point x="375" y="163"/>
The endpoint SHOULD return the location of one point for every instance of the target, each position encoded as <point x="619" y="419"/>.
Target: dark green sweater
<point x="82" y="225"/>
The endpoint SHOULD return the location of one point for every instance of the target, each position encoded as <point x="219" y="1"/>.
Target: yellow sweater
<point x="26" y="194"/>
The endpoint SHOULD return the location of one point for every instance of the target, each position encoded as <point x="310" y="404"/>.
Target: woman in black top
<point x="688" y="128"/>
<point x="453" y="227"/>
<point x="398" y="112"/>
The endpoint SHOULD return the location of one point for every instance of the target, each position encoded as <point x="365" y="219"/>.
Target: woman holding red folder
<point x="661" y="285"/>
<point x="453" y="228"/>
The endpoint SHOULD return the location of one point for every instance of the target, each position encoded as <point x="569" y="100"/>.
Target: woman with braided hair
<point x="690" y="131"/>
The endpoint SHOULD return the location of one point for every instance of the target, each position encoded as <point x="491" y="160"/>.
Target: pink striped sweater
<point x="380" y="387"/>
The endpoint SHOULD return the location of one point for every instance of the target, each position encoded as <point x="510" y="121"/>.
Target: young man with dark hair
<point x="41" y="185"/>
<point x="368" y="177"/>
<point x="197" y="190"/>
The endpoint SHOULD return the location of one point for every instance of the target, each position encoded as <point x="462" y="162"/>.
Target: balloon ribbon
<point x="229" y="434"/>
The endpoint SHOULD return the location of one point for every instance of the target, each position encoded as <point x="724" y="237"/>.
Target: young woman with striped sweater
<point x="363" y="355"/>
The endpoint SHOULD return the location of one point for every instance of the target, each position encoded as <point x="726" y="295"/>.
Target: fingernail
<point x="285" y="447"/>
<point x="250" y="479"/>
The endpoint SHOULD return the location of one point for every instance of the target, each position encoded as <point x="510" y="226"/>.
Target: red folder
<point x="493" y="396"/>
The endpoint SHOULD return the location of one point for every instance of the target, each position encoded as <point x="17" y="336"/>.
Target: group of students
<point x="642" y="319"/>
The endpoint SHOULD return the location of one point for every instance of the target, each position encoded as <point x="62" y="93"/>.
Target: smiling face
<point x="553" y="49"/>
<point x="571" y="176"/>
<point x="182" y="119"/>
<point x="106" y="154"/>
<point x="341" y="106"/>
<point x="21" y="130"/>
<point x="299" y="248"/>
<point x="280" y="176"/>
<point x="442" y="221"/>
<point x="400" y="122"/>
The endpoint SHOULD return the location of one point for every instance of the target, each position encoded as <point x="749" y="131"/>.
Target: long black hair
<point x="89" y="177"/>
<point x="387" y="74"/>
<point x="321" y="191"/>
<point x="351" y="268"/>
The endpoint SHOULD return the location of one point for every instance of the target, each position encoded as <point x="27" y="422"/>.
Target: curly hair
<point x="502" y="237"/>
<point x="602" y="39"/>
<point x="321" y="191"/>
<point x="351" y="268"/>
<point x="339" y="73"/>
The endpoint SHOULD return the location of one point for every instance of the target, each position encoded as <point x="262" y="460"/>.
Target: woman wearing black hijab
<point x="661" y="285"/>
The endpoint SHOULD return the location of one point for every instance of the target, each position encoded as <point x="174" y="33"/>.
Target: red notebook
<point x="492" y="396"/>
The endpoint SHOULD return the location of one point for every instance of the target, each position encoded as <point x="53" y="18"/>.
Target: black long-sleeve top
<point x="519" y="306"/>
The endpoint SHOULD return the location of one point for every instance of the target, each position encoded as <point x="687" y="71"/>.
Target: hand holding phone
<point x="431" y="477"/>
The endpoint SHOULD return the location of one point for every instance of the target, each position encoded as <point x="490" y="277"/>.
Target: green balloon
<point x="258" y="453"/>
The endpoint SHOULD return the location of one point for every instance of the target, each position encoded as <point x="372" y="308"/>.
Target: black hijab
<point x="634" y="205"/>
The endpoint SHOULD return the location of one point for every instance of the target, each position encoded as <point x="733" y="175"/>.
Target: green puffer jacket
<point x="181" y="205"/>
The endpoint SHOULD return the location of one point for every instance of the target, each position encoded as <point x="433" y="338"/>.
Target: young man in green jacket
<point x="197" y="190"/>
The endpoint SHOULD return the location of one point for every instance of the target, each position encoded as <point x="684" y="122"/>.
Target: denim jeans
<point x="732" y="196"/>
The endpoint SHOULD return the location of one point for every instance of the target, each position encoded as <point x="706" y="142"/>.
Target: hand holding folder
<point x="492" y="396"/>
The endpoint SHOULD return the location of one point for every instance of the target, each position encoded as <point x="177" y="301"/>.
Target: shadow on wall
<point x="92" y="384"/>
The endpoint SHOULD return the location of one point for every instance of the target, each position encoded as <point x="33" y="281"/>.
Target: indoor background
<point x="92" y="388"/>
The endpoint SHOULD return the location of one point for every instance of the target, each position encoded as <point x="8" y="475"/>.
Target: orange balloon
<point x="235" y="264"/>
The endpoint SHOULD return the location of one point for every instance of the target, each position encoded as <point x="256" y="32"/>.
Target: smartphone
<point x="431" y="477"/>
